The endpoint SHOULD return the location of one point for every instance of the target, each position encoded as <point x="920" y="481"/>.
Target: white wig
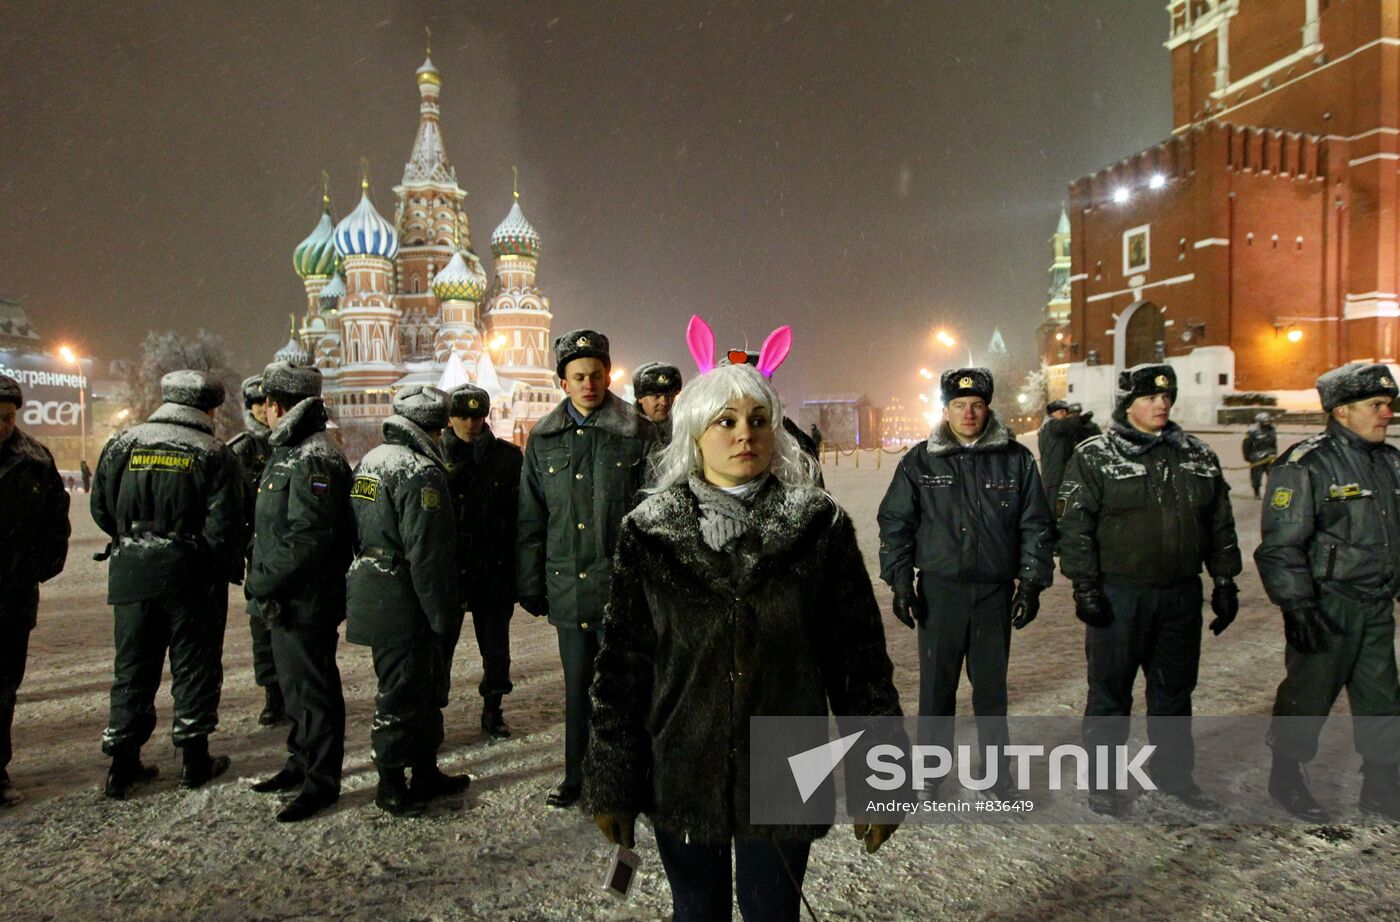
<point x="701" y="402"/>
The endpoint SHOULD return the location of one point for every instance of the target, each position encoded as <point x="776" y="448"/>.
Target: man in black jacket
<point x="296" y="582"/>
<point x="1330" y="558"/>
<point x="1065" y="427"/>
<point x="484" y="474"/>
<point x="1141" y="509"/>
<point x="968" y="512"/>
<point x="252" y="450"/>
<point x="33" y="548"/>
<point x="402" y="596"/>
<point x="170" y="496"/>
<point x="1260" y="448"/>
<point x="655" y="386"/>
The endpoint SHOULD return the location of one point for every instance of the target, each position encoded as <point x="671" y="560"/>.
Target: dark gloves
<point x="1090" y="606"/>
<point x="536" y="605"/>
<point x="271" y="612"/>
<point x="874" y="834"/>
<point x="908" y="608"/>
<point x="1225" y="602"/>
<point x="1306" y="627"/>
<point x="618" y="828"/>
<point x="1025" y="605"/>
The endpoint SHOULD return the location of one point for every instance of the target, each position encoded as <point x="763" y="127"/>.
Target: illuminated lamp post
<point x="72" y="358"/>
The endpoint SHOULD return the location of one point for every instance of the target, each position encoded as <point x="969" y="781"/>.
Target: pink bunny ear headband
<point x="701" y="340"/>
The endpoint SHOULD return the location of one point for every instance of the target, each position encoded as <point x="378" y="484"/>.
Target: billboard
<point x="51" y="391"/>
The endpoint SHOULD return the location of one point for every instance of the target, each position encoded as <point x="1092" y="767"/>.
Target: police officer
<point x="296" y="582"/>
<point x="1260" y="449"/>
<point x="967" y="511"/>
<point x="252" y="450"/>
<point x="170" y="495"/>
<point x="1330" y="558"/>
<point x="33" y="548"/>
<point x="403" y="597"/>
<point x="484" y="474"/>
<point x="1141" y="508"/>
<point x="1065" y="427"/>
<point x="584" y="466"/>
<point x="655" y="386"/>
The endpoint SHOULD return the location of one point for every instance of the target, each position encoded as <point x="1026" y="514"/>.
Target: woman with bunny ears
<point x="738" y="590"/>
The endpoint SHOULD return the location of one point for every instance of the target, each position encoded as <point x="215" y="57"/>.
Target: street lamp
<point x="72" y="358"/>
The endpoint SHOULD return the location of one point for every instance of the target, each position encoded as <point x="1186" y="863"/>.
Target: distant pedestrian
<point x="655" y="386"/>
<point x="1260" y="449"/>
<point x="86" y="474"/>
<point x="1064" y="429"/>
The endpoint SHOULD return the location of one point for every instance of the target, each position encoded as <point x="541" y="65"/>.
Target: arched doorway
<point x="1140" y="328"/>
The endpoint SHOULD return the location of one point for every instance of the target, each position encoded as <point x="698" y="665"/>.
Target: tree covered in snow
<point x="172" y="351"/>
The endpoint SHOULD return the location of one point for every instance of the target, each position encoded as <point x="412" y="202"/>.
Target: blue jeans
<point x="699" y="876"/>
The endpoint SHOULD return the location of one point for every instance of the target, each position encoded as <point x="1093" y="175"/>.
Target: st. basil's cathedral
<point x="389" y="305"/>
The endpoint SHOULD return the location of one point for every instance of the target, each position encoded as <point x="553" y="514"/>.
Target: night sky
<point x="862" y="171"/>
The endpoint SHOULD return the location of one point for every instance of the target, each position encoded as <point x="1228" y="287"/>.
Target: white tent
<point x="454" y="374"/>
<point x="489" y="381"/>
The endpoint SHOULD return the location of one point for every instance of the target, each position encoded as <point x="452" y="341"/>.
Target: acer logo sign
<point x="49" y="413"/>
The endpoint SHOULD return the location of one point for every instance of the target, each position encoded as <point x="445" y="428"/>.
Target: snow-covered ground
<point x="500" y="853"/>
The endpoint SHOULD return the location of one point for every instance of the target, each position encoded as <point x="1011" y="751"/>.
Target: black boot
<point x="274" y="707"/>
<point x="493" y="723"/>
<point x="285" y="780"/>
<point x="126" y="773"/>
<point x="566" y="795"/>
<point x="1189" y="793"/>
<point x="1290" y="791"/>
<point x="1380" y="791"/>
<point x="429" y="782"/>
<point x="393" y="796"/>
<point x="306" y="805"/>
<point x="8" y="797"/>
<point x="200" y="768"/>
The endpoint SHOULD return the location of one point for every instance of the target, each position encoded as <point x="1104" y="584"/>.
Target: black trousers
<point x="577" y="651"/>
<point x="407" y="728"/>
<point x="1361" y="660"/>
<point x="1157" y="631"/>
<point x="15" y="625"/>
<point x="964" y="623"/>
<point x="264" y="666"/>
<point x="1257" y="475"/>
<point x="190" y="626"/>
<point x="769" y="878"/>
<point x="310" y="680"/>
<point x="492" y="626"/>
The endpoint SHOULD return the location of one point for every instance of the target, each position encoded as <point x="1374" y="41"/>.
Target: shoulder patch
<point x="430" y="499"/>
<point x="1301" y="449"/>
<point x="366" y="489"/>
<point x="1282" y="498"/>
<point x="164" y="461"/>
<point x="320" y="484"/>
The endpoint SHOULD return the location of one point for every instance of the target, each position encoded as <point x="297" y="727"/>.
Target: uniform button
<point x="578" y="476"/>
<point x="581" y="526"/>
<point x="619" y="464"/>
<point x="551" y="470"/>
<point x="583" y="625"/>
<point x="583" y="575"/>
<point x="578" y="432"/>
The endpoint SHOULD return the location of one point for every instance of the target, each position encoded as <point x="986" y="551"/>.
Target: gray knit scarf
<point x="724" y="518"/>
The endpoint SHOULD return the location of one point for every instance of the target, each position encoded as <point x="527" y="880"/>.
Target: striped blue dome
<point x="365" y="233"/>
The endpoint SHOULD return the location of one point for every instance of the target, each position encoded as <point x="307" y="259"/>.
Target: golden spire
<point x="429" y="41"/>
<point x="516" y="173"/>
<point x="364" y="175"/>
<point x="326" y="190"/>
<point x="293" y="318"/>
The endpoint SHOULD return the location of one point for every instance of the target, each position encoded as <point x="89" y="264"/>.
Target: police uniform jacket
<point x="1145" y="510"/>
<point x="1331" y="520"/>
<point x="252" y="449"/>
<point x="33" y="524"/>
<point x="484" y="476"/>
<point x="170" y="495"/>
<point x="1260" y="443"/>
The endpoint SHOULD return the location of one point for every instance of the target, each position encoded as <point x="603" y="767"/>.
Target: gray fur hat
<point x="1055" y="406"/>
<point x="966" y="382"/>
<point x="1263" y="418"/>
<point x="426" y="406"/>
<point x="580" y="344"/>
<point x="1355" y="381"/>
<point x="296" y="382"/>
<point x="469" y="400"/>
<point x="655" y="378"/>
<point x="192" y="389"/>
<point x="1143" y="381"/>
<point x="1075" y="407"/>
<point x="10" y="391"/>
<point x="252" y="391"/>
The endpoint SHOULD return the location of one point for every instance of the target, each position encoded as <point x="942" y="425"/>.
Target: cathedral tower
<point x="517" y="313"/>
<point x="369" y="320"/>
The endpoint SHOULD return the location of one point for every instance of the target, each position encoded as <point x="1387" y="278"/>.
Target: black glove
<point x="1025" y="605"/>
<point x="271" y="612"/>
<point x="906" y="605"/>
<point x="1225" y="602"/>
<point x="536" y="605"/>
<point x="1306" y="627"/>
<point x="873" y="835"/>
<point x="1090" y="606"/>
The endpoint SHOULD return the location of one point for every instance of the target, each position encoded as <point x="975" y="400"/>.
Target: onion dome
<point x="459" y="281"/>
<point x="315" y="257"/>
<point x="330" y="296"/>
<point x="364" y="232"/>
<point x="515" y="236"/>
<point x="292" y="353"/>
<point x="428" y="73"/>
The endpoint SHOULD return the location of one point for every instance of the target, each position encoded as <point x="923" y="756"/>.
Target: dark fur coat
<point x="695" y="642"/>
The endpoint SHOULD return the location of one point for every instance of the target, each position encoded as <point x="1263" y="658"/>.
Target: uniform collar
<point x="301" y="422"/>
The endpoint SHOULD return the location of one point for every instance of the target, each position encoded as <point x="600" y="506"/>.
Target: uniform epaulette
<point x="238" y="438"/>
<point x="1298" y="451"/>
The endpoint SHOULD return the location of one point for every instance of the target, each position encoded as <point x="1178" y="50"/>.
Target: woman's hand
<point x="618" y="828"/>
<point x="874" y="834"/>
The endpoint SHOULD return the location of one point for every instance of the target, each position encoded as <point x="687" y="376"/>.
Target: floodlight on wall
<point x="1120" y="195"/>
<point x="1157" y="181"/>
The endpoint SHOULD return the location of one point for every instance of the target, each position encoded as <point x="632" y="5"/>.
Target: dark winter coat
<point x="33" y="525"/>
<point x="1260" y="443"/>
<point x="170" y="495"/>
<point x="252" y="449"/>
<point x="1142" y="510"/>
<point x="304" y="529"/>
<point x="403" y="582"/>
<point x="696" y="642"/>
<point x="1057" y="440"/>
<point x="484" y="476"/>
<point x="971" y="513"/>
<point x="576" y="485"/>
<point x="1331" y="518"/>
